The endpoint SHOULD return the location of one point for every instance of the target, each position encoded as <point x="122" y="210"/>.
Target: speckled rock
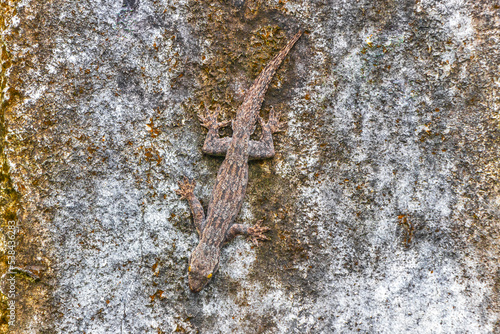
<point x="383" y="198"/>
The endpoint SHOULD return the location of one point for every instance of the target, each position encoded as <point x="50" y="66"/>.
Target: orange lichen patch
<point x="158" y="294"/>
<point x="152" y="154"/>
<point x="174" y="81"/>
<point x="155" y="266"/>
<point x="408" y="229"/>
<point x="92" y="148"/>
<point x="154" y="131"/>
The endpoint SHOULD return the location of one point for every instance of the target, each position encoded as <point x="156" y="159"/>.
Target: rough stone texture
<point x="383" y="198"/>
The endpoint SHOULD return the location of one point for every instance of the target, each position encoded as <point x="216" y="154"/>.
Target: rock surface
<point x="383" y="198"/>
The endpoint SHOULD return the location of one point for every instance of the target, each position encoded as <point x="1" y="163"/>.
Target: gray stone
<point x="383" y="198"/>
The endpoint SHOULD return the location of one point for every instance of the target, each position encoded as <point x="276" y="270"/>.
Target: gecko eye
<point x="189" y="268"/>
<point x="209" y="276"/>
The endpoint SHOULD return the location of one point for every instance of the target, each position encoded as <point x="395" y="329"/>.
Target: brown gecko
<point x="217" y="227"/>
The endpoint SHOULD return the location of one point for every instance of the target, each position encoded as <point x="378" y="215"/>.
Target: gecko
<point x="217" y="227"/>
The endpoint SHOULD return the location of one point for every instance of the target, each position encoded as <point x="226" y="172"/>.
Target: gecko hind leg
<point x="214" y="145"/>
<point x="264" y="148"/>
<point x="186" y="191"/>
<point x="254" y="233"/>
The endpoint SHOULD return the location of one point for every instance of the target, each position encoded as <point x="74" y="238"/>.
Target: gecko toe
<point x="186" y="188"/>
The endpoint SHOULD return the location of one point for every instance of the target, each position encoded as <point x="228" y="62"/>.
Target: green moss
<point x="9" y="198"/>
<point x="233" y="53"/>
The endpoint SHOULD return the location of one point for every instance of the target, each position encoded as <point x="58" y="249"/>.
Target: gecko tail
<point x="255" y="95"/>
<point x="267" y="74"/>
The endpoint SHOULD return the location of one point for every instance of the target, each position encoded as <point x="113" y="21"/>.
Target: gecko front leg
<point x="214" y="145"/>
<point x="186" y="191"/>
<point x="254" y="233"/>
<point x="264" y="148"/>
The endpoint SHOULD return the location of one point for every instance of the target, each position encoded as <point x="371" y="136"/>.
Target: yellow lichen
<point x="9" y="198"/>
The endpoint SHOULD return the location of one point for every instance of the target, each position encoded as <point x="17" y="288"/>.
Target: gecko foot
<point x="186" y="188"/>
<point x="209" y="120"/>
<point x="256" y="233"/>
<point x="273" y="123"/>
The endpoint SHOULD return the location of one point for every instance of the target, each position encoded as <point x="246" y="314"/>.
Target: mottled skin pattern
<point x="217" y="227"/>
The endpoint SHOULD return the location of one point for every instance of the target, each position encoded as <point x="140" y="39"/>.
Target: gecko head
<point x="203" y="264"/>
